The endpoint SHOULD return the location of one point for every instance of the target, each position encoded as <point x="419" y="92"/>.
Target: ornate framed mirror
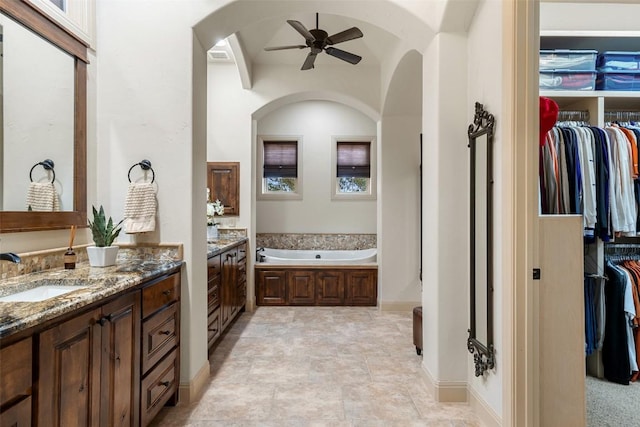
<point x="40" y="134"/>
<point x="480" y="341"/>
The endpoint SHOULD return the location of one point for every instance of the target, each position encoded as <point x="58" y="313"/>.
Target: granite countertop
<point x="97" y="284"/>
<point x="217" y="246"/>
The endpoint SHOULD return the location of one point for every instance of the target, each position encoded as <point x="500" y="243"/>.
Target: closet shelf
<point x="588" y="33"/>
<point x="589" y="94"/>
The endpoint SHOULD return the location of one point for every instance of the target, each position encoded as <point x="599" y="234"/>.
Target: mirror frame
<point x="36" y="21"/>
<point x="483" y="353"/>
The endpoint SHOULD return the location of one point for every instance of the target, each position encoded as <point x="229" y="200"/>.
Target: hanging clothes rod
<point x="573" y="116"/>
<point x="621" y="116"/>
<point x="622" y="251"/>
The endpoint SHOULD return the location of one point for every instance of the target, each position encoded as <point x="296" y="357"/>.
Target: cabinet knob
<point x="213" y="330"/>
<point x="165" y="332"/>
<point x="167" y="292"/>
<point x="104" y="319"/>
<point x="165" y="383"/>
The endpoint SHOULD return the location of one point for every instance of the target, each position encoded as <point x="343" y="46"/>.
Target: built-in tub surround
<point x="313" y="241"/>
<point x="316" y="257"/>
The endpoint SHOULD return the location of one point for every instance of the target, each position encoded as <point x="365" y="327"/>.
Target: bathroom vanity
<point x="226" y="284"/>
<point x="105" y="354"/>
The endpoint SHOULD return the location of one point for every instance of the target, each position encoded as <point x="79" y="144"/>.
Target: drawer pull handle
<point x="104" y="319"/>
<point x="165" y="383"/>
<point x="213" y="330"/>
<point x="165" y="332"/>
<point x="167" y="292"/>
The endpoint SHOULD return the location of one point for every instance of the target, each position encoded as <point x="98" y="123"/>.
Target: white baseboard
<point x="446" y="391"/>
<point x="398" y="305"/>
<point x="190" y="391"/>
<point x="485" y="413"/>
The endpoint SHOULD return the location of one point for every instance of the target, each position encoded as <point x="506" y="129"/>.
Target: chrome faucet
<point x="259" y="255"/>
<point x="9" y="256"/>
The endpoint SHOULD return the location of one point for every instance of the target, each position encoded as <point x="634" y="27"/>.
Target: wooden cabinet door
<point x="329" y="288"/>
<point x="213" y="327"/>
<point x="362" y="287"/>
<point x="17" y="415"/>
<point x="120" y="377"/>
<point x="228" y="291"/>
<point x="271" y="287"/>
<point x="301" y="287"/>
<point x="241" y="282"/>
<point x="224" y="183"/>
<point x="15" y="371"/>
<point x="69" y="362"/>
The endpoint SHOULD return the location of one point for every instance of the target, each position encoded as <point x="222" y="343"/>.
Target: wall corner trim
<point x="190" y="392"/>
<point x="481" y="408"/>
<point x="446" y="391"/>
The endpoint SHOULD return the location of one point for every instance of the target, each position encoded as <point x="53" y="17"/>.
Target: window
<point x="61" y="4"/>
<point x="280" y="167"/>
<point x="354" y="168"/>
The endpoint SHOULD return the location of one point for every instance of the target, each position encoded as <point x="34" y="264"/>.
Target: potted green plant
<point x="104" y="232"/>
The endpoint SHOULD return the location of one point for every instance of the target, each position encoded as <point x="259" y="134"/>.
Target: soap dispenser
<point x="70" y="256"/>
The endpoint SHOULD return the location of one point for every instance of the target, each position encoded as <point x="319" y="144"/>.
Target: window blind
<point x="354" y="159"/>
<point x="280" y="159"/>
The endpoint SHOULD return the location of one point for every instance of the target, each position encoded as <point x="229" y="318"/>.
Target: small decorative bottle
<point x="70" y="259"/>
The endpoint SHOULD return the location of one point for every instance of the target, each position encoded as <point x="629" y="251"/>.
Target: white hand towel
<point x="42" y="197"/>
<point x="140" y="208"/>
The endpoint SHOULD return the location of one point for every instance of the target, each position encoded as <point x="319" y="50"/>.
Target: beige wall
<point x="144" y="108"/>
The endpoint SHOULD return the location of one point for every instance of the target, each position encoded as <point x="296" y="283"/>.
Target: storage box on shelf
<point x="618" y="80"/>
<point x="568" y="69"/>
<point x="567" y="80"/>
<point x="618" y="61"/>
<point x="618" y="70"/>
<point x="568" y="59"/>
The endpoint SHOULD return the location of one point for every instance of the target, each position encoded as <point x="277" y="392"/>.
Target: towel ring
<point x="47" y="164"/>
<point x="145" y="165"/>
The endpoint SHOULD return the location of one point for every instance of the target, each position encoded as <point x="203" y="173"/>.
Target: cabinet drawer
<point x="213" y="295"/>
<point x="159" y="294"/>
<point x="213" y="266"/>
<point x="18" y="415"/>
<point x="15" y="371"/>
<point x="242" y="270"/>
<point x="213" y="326"/>
<point x="242" y="252"/>
<point x="158" y="387"/>
<point x="159" y="336"/>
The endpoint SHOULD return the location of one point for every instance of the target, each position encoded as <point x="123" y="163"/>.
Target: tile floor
<point x="317" y="366"/>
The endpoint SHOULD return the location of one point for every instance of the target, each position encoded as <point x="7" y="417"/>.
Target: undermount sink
<point x="40" y="293"/>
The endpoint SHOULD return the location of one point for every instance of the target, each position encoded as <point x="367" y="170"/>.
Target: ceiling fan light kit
<point x="319" y="40"/>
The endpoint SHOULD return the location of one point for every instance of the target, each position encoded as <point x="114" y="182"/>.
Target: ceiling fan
<point x="319" y="40"/>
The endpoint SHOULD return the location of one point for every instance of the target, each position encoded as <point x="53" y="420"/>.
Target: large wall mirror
<point x="43" y="114"/>
<point x="480" y="341"/>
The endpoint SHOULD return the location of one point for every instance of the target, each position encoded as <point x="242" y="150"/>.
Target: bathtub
<point x="320" y="257"/>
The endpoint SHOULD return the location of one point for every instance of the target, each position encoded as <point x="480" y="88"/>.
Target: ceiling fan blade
<point x="298" y="46"/>
<point x="345" y="56"/>
<point x="308" y="63"/>
<point x="302" y="30"/>
<point x="343" y="36"/>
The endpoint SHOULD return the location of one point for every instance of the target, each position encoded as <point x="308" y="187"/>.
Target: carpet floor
<point x="612" y="405"/>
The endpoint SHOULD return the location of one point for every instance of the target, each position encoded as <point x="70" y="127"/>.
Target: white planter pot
<point x="212" y="232"/>
<point x="103" y="256"/>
